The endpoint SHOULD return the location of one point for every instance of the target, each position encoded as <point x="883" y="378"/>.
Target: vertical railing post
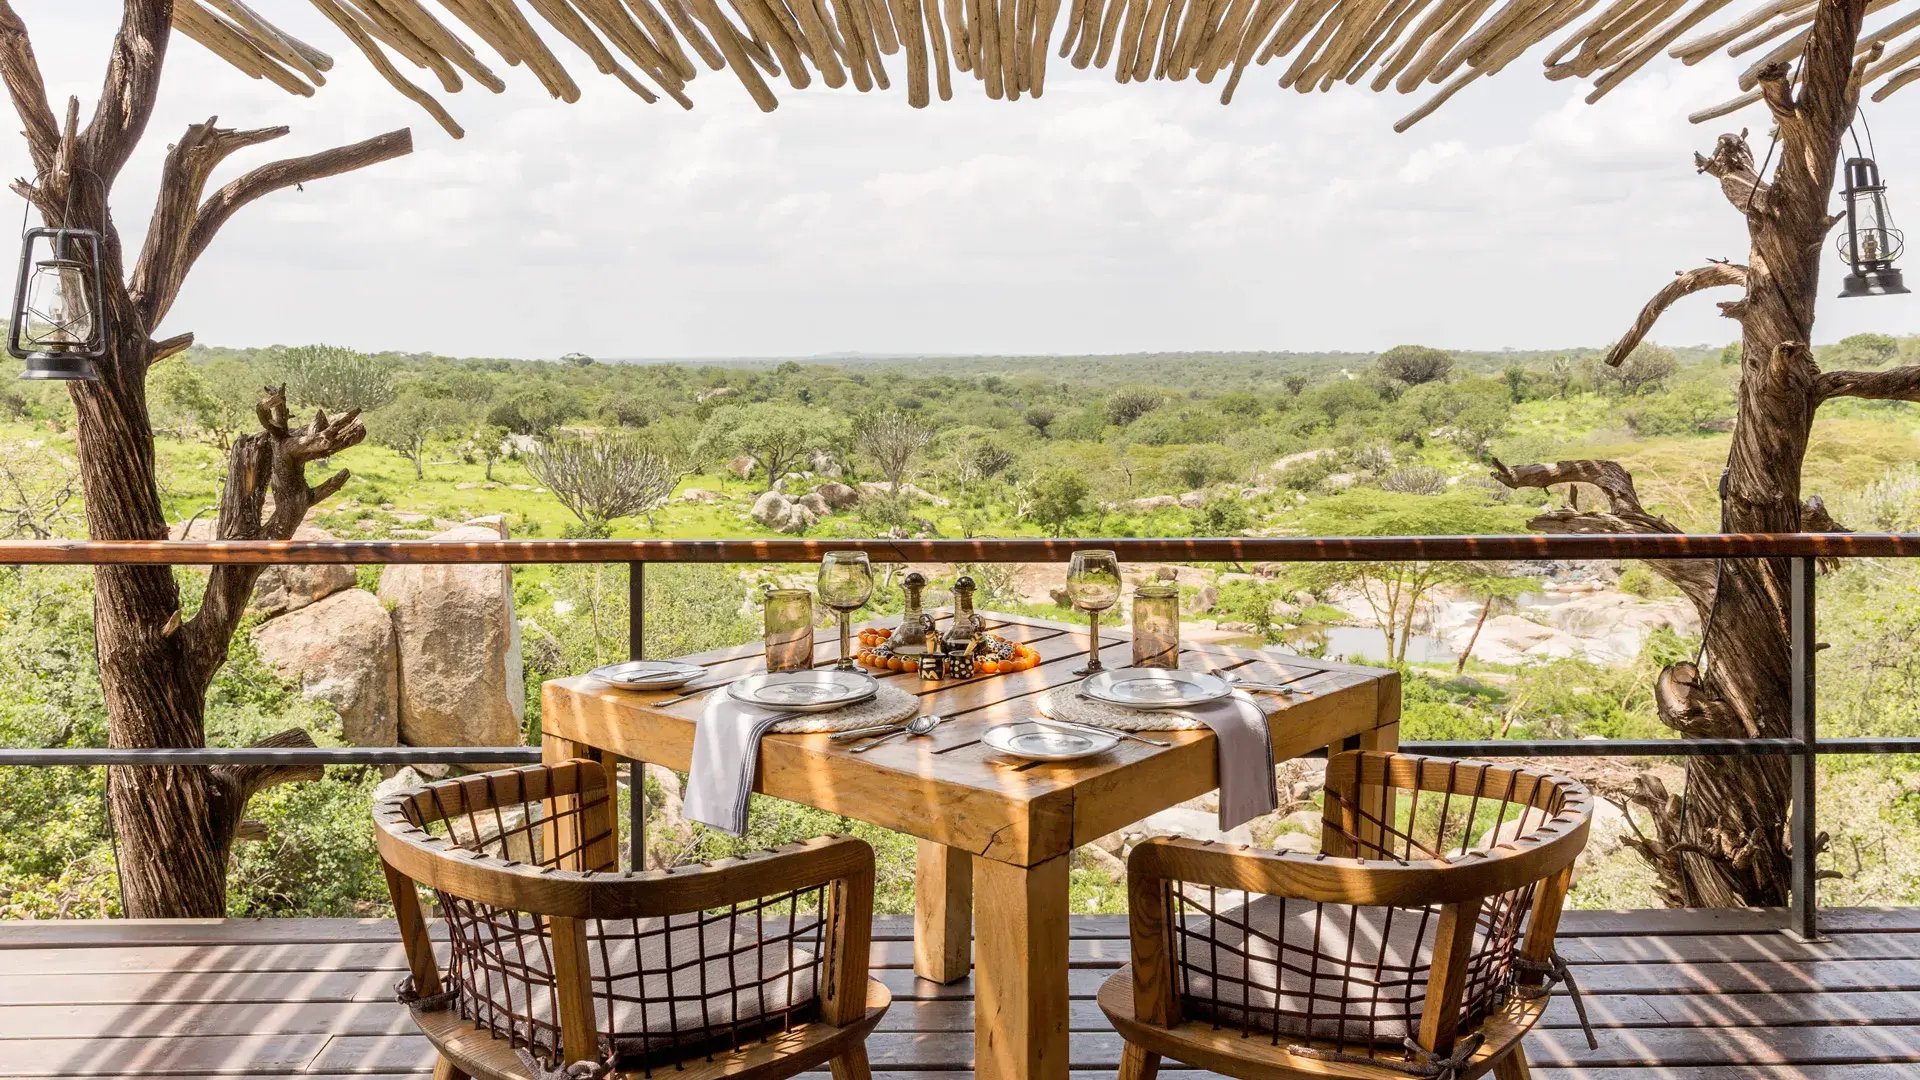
<point x="1803" y="915"/>
<point x="636" y="770"/>
<point x="636" y="610"/>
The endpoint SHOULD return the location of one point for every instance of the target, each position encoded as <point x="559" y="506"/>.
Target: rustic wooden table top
<point x="952" y="789"/>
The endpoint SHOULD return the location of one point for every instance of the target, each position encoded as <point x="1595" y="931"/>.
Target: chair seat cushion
<point x="1318" y="971"/>
<point x="659" y="992"/>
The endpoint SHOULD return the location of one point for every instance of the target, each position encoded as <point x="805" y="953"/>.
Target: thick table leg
<point x="593" y="833"/>
<point x="1367" y="797"/>
<point x="942" y="913"/>
<point x="1020" y="978"/>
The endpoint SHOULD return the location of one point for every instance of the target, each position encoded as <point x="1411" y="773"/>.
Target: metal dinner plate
<point x="647" y="674"/>
<point x="1041" y="742"/>
<point x="1155" y="688"/>
<point x="806" y="691"/>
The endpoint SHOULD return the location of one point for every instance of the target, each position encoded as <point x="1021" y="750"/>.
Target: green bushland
<point x="1273" y="444"/>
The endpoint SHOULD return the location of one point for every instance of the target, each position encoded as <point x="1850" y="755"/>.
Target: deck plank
<point x="1702" y="995"/>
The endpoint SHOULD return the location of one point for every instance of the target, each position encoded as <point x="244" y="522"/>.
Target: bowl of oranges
<point x="995" y="655"/>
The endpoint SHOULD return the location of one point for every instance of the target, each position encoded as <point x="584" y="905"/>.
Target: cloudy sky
<point x="1101" y="218"/>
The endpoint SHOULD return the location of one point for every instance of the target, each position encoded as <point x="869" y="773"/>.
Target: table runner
<point x="1245" y="745"/>
<point x="726" y="747"/>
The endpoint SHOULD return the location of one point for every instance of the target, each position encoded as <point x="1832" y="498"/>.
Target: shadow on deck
<point x="1697" y="994"/>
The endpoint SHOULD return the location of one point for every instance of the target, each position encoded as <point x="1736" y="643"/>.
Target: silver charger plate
<point x="822" y="690"/>
<point x="1043" y="742"/>
<point x="1155" y="688"/>
<point x="647" y="674"/>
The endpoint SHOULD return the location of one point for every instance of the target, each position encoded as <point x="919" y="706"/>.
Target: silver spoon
<point x="919" y="725"/>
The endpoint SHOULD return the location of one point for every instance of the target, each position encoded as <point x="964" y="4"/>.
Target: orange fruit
<point x="988" y="667"/>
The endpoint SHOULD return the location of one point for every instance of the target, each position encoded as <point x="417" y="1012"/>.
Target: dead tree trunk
<point x="1724" y="843"/>
<point x="175" y="824"/>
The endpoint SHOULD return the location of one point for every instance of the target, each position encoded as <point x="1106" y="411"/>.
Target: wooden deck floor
<point x="1706" y="995"/>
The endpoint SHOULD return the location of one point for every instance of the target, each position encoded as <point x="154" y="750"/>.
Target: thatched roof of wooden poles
<point x="656" y="47"/>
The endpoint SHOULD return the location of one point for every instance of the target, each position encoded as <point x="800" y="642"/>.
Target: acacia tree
<point x="778" y="437"/>
<point x="1397" y="592"/>
<point x="175" y="825"/>
<point x="1725" y="844"/>
<point x="409" y="424"/>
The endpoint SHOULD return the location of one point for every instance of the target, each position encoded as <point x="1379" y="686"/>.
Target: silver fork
<point x="1264" y="687"/>
<point x="694" y="693"/>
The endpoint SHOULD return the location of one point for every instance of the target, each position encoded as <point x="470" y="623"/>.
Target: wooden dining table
<point x="996" y="835"/>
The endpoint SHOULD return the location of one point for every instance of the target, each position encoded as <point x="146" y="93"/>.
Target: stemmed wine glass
<point x="1093" y="584"/>
<point x="846" y="583"/>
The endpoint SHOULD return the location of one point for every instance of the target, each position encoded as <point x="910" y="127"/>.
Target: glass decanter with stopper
<point x="910" y="639"/>
<point x="966" y="625"/>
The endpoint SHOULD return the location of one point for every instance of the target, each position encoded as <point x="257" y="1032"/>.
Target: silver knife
<point x="1048" y="721"/>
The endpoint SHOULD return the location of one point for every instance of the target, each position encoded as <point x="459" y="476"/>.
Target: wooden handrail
<point x="1175" y="549"/>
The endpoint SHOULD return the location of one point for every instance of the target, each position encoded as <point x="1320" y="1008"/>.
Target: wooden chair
<point x="753" y="967"/>
<point x="1418" y="942"/>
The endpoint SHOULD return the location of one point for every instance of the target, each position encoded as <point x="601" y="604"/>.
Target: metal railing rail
<point x="1801" y="551"/>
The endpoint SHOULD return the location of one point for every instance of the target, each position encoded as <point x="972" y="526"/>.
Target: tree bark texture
<point x="175" y="824"/>
<point x="1724" y="842"/>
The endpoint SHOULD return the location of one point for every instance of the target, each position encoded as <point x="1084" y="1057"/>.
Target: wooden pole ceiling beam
<point x="1405" y="45"/>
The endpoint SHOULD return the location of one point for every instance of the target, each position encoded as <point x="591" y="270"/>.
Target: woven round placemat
<point x="1065" y="704"/>
<point x="891" y="705"/>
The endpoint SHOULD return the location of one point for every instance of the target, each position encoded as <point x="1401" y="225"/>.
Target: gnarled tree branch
<point x="166" y="347"/>
<point x="183" y="179"/>
<point x="235" y="784"/>
<point x="1685" y="707"/>
<point x="1895" y="384"/>
<point x="21" y="71"/>
<point x="264" y="180"/>
<point x="1732" y="164"/>
<point x="1776" y="89"/>
<point x="1685" y="283"/>
<point x="1624" y="515"/>
<point x="270" y="462"/>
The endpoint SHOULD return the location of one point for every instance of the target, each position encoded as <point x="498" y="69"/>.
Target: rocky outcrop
<point x="871" y="488"/>
<point x="771" y="509"/>
<point x="815" y="503"/>
<point x="1602" y="627"/>
<point x="282" y="589"/>
<point x="1514" y="639"/>
<point x="838" y="496"/>
<point x="700" y="495"/>
<point x="340" y="649"/>
<point x="461" y="680"/>
<point x="776" y="511"/>
<point x="1598" y="614"/>
<point x="742" y="467"/>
